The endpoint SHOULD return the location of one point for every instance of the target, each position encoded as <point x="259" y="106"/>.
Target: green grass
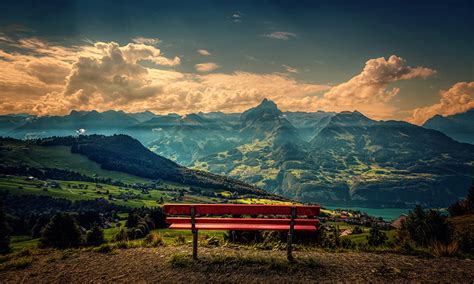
<point x="110" y="233"/>
<point x="20" y="186"/>
<point x="59" y="157"/>
<point x="169" y="236"/>
<point x="18" y="243"/>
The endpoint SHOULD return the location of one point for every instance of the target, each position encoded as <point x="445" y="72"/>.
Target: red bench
<point x="196" y="223"/>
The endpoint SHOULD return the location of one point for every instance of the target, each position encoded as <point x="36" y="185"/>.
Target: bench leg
<point x="195" y="244"/>
<point x="289" y="254"/>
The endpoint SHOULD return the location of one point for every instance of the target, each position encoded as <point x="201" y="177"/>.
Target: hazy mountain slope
<point x="184" y="138"/>
<point x="458" y="126"/>
<point x="10" y="122"/>
<point x="364" y="161"/>
<point x="351" y="160"/>
<point x="108" y="122"/>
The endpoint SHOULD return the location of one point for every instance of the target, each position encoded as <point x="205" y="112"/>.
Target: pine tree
<point x="95" y="236"/>
<point x="376" y="237"/>
<point x="61" y="232"/>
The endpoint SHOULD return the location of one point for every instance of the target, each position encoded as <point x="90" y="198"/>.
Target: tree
<point x="62" y="231"/>
<point x="95" y="236"/>
<point x="376" y="237"/>
<point x="425" y="227"/>
<point x="4" y="230"/>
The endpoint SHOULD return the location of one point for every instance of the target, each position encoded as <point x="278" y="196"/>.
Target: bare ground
<point x="172" y="264"/>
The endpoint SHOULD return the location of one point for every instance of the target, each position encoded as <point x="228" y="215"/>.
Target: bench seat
<point x="242" y="227"/>
<point x="242" y="224"/>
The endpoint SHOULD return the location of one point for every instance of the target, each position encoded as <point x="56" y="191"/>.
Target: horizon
<point x="55" y="59"/>
<point x="226" y="113"/>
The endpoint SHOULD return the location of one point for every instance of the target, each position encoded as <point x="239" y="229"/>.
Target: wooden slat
<point x="242" y="227"/>
<point x="177" y="220"/>
<point x="240" y="209"/>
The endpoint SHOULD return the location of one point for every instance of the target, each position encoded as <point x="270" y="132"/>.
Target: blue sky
<point x="315" y="42"/>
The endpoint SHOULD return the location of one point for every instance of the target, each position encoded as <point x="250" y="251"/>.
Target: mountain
<point x="143" y="116"/>
<point x="12" y="121"/>
<point x="348" y="159"/>
<point x="332" y="158"/>
<point x="458" y="126"/>
<point x="108" y="122"/>
<point x="184" y="138"/>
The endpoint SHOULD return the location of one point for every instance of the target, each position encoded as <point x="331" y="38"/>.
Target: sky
<point x="403" y="60"/>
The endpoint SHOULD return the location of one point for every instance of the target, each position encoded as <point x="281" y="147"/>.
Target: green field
<point x="15" y="154"/>
<point x="70" y="190"/>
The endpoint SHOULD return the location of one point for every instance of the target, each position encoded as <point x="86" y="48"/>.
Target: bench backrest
<point x="241" y="209"/>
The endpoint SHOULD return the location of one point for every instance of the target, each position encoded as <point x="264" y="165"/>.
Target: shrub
<point x="347" y="243"/>
<point x="357" y="230"/>
<point x="425" y="227"/>
<point x="376" y="237"/>
<point x="179" y="240"/>
<point x="95" y="236"/>
<point x="441" y="249"/>
<point x="104" y="248"/>
<point x="61" y="232"/>
<point x="153" y="239"/>
<point x="211" y="242"/>
<point x="465" y="206"/>
<point x="121" y="236"/>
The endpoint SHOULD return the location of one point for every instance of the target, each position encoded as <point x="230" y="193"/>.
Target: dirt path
<point x="236" y="265"/>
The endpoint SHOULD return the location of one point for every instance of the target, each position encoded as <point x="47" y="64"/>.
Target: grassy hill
<point x="109" y="168"/>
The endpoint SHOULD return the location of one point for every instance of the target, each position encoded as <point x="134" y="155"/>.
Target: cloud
<point x="280" y="35"/>
<point x="145" y="40"/>
<point x="237" y="17"/>
<point x="44" y="78"/>
<point x="459" y="98"/>
<point x="369" y="90"/>
<point x="206" y="67"/>
<point x="203" y="52"/>
<point x="290" y="69"/>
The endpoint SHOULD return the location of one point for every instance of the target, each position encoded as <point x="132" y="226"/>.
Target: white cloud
<point x="237" y="17"/>
<point x="280" y="35"/>
<point x="145" y="40"/>
<point x="203" y="52"/>
<point x="369" y="90"/>
<point x="206" y="67"/>
<point x="459" y="98"/>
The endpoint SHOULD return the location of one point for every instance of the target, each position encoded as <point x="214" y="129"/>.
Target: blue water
<point x="387" y="214"/>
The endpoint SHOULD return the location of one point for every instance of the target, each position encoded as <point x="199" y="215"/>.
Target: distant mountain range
<point x="332" y="158"/>
<point x="458" y="126"/>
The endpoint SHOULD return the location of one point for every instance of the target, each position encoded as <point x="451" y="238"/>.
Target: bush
<point x="465" y="206"/>
<point x="425" y="227"/>
<point x="441" y="249"/>
<point x="179" y="240"/>
<point x="104" y="248"/>
<point x="153" y="239"/>
<point x="61" y="232"/>
<point x="121" y="236"/>
<point x="376" y="237"/>
<point x="95" y="236"/>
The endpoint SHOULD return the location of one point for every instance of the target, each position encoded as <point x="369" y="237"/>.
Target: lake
<point x="386" y="213"/>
